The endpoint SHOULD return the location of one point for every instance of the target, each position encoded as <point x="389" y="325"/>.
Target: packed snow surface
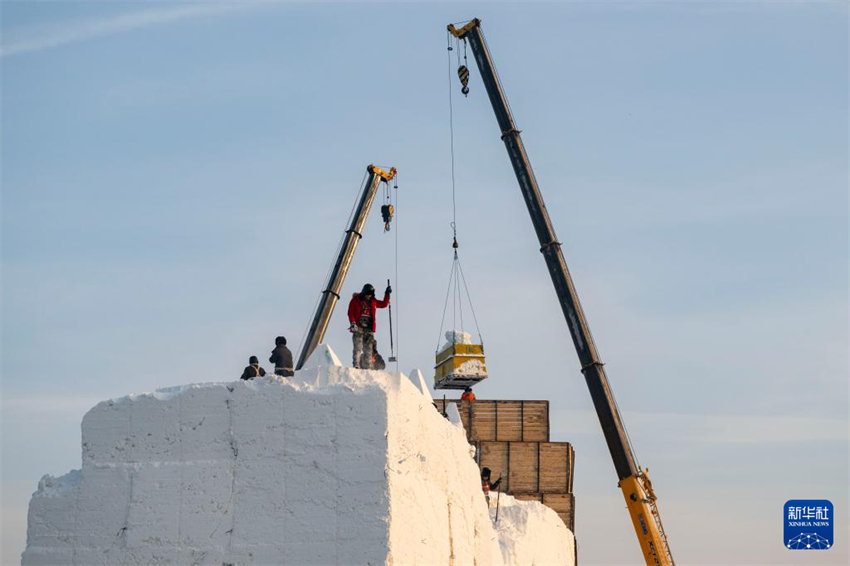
<point x="519" y="523"/>
<point x="470" y="367"/>
<point x="332" y="466"/>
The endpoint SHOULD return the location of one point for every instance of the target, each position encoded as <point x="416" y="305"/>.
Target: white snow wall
<point x="335" y="466"/>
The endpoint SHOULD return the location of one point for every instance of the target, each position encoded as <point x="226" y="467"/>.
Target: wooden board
<point x="494" y="455"/>
<point x="507" y="421"/>
<point x="529" y="467"/>
<point x="524" y="466"/>
<point x="564" y="505"/>
<point x="556" y="470"/>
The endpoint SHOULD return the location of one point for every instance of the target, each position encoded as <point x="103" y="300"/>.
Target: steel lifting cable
<point x="388" y="213"/>
<point x="457" y="303"/>
<point x="452" y="138"/>
<point x="395" y="191"/>
<point x="445" y="306"/>
<point x="453" y="290"/>
<point x="456" y="276"/>
<point x="449" y="50"/>
<point x="469" y="300"/>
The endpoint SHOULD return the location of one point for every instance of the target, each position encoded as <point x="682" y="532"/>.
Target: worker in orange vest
<point x="468" y="395"/>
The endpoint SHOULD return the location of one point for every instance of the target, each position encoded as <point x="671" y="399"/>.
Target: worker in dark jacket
<point x="281" y="358"/>
<point x="253" y="369"/>
<point x="486" y="486"/>
<point x="361" y="316"/>
<point x="378" y="361"/>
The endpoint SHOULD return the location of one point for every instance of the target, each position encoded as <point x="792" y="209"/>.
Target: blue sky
<point x="175" y="179"/>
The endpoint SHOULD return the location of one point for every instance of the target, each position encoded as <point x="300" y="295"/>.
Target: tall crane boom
<point x="637" y="490"/>
<point x="330" y="295"/>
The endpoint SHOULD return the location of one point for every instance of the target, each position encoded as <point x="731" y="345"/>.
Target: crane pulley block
<point x="387" y="212"/>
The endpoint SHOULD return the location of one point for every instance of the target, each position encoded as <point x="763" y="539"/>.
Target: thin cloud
<point x="34" y="39"/>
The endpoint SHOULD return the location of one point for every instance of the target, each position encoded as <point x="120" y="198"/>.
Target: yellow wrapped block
<point x="459" y="363"/>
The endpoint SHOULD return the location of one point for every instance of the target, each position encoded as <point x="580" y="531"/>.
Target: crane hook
<point x="463" y="75"/>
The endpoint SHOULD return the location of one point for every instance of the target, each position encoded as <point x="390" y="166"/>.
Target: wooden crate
<point x="494" y="455"/>
<point x="556" y="467"/>
<point x="564" y="505"/>
<point x="529" y="467"/>
<point x="508" y="421"/>
<point x="524" y="466"/>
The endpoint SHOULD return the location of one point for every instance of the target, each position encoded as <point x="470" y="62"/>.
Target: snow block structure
<point x="333" y="466"/>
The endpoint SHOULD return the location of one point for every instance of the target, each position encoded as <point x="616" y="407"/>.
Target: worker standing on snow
<point x="281" y="358"/>
<point x="361" y="315"/>
<point x="253" y="369"/>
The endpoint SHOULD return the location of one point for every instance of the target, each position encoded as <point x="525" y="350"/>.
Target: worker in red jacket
<point x="361" y="315"/>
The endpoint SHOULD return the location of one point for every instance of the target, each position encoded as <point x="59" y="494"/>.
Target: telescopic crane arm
<point x="637" y="490"/>
<point x="330" y="295"/>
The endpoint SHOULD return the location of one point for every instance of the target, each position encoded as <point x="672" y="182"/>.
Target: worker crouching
<point x="361" y="316"/>
<point x="253" y="369"/>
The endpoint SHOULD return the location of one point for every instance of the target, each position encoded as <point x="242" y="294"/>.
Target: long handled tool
<point x="392" y="357"/>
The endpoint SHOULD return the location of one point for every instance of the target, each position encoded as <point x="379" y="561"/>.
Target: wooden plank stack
<point x="512" y="439"/>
